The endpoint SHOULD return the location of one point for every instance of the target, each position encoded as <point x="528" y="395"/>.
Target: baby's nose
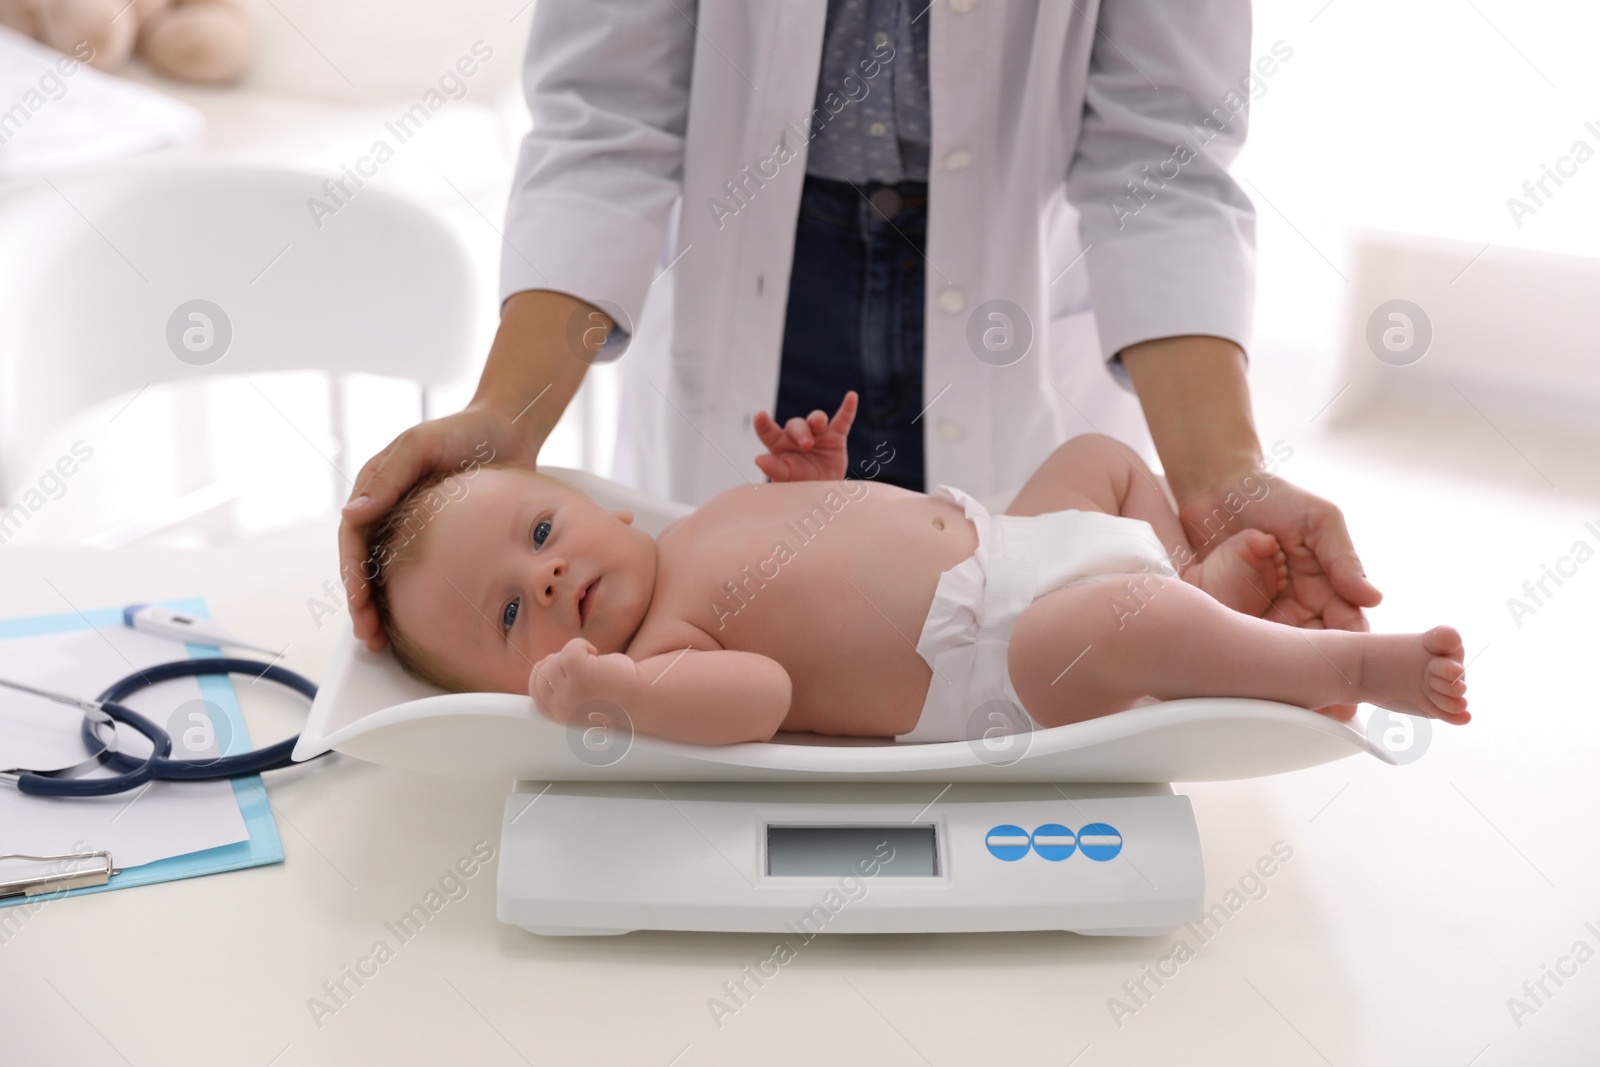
<point x="557" y="569"/>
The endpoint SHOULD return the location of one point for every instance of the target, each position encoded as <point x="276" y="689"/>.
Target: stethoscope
<point x="99" y="731"/>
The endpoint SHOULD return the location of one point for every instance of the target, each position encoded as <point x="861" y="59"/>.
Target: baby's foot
<point x="1418" y="674"/>
<point x="1246" y="572"/>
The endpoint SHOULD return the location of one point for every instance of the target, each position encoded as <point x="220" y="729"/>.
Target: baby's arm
<point x="698" y="696"/>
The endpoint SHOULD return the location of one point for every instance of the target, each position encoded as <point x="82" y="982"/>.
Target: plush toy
<point x="192" y="40"/>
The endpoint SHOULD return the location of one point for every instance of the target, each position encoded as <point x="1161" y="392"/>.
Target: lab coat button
<point x="951" y="430"/>
<point x="952" y="300"/>
<point x="961" y="7"/>
<point x="957" y="160"/>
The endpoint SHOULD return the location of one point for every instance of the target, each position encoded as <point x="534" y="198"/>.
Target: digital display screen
<point x="898" y="851"/>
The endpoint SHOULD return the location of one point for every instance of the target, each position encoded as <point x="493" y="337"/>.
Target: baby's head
<point x="478" y="576"/>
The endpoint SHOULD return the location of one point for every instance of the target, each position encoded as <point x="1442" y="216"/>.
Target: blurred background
<point x="1382" y="155"/>
<point x="1426" y="175"/>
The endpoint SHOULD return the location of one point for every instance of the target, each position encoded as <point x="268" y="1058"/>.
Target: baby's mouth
<point x="585" y="599"/>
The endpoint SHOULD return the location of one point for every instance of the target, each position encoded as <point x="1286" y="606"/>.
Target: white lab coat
<point x="1043" y="111"/>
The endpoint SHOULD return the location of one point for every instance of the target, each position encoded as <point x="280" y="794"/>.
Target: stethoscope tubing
<point x="136" y="771"/>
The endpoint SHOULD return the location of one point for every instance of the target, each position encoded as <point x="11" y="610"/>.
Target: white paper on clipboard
<point x="154" y="822"/>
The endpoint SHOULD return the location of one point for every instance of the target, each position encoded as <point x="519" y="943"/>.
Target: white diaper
<point x="978" y="601"/>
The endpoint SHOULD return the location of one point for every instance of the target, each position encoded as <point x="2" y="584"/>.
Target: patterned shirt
<point x="871" y="118"/>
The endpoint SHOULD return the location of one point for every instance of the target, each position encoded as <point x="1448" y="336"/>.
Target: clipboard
<point x="262" y="846"/>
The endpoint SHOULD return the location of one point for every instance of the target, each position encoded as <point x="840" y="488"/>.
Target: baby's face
<point x="514" y="569"/>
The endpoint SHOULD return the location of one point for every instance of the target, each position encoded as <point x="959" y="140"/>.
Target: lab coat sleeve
<point x="607" y="84"/>
<point x="1165" y="109"/>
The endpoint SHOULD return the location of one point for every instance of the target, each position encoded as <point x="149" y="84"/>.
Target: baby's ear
<point x="623" y="515"/>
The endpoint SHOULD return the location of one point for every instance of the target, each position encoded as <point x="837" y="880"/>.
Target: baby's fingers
<point x="799" y="432"/>
<point x="845" y="417"/>
<point x="575" y="652"/>
<point x="766" y="429"/>
<point x="541" y="680"/>
<point x="772" y="467"/>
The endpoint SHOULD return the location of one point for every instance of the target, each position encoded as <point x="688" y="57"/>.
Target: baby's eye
<point x="540" y="538"/>
<point x="508" y="615"/>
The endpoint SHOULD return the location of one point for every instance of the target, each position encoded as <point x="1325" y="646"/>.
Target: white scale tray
<point x="369" y="708"/>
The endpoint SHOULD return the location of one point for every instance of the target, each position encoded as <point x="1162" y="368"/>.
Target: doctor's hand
<point x="1196" y="399"/>
<point x="564" y="681"/>
<point x="1327" y="587"/>
<point x="456" y="442"/>
<point x="812" y="449"/>
<point x="542" y="349"/>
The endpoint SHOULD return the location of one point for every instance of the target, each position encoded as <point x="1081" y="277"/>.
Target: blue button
<point x="1008" y="842"/>
<point x="1054" y="842"/>
<point x="1100" y="841"/>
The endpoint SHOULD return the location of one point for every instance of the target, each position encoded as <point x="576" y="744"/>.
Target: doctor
<point x="1001" y="224"/>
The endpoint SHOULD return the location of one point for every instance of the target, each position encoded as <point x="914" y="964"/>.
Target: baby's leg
<point x="1098" y="473"/>
<point x="1093" y="472"/>
<point x="1089" y="650"/>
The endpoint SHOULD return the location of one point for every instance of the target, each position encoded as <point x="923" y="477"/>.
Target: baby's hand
<point x="812" y="449"/>
<point x="564" y="681"/>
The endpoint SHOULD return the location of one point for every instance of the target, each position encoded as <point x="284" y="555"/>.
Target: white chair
<point x="100" y="269"/>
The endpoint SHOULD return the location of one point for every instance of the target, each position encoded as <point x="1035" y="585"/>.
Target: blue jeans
<point x="855" y="320"/>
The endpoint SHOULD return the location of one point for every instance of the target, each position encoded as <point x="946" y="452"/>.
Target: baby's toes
<point x="1450" y="687"/>
<point x="1275" y="568"/>
<point x="1450" y="708"/>
<point x="1259" y="542"/>
<point x="1444" y="641"/>
<point x="1447" y="688"/>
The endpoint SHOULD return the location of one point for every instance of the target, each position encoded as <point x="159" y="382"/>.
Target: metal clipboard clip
<point x="58" y="880"/>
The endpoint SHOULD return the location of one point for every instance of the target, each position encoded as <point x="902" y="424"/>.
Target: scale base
<point x="799" y="859"/>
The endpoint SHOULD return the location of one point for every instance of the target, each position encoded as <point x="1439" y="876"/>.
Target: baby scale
<point x="1072" y="828"/>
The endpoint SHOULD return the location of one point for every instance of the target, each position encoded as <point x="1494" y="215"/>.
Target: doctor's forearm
<point x="532" y="359"/>
<point x="1196" y="400"/>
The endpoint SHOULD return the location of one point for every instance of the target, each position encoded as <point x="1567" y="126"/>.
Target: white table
<point x="1417" y="900"/>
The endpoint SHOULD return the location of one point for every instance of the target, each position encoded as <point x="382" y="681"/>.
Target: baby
<point x="861" y="608"/>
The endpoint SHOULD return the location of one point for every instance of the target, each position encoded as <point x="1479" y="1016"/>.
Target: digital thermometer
<point x="164" y="622"/>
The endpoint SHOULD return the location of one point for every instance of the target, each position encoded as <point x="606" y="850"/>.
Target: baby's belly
<point x="841" y="608"/>
<point x="852" y="662"/>
<point x="874" y="687"/>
